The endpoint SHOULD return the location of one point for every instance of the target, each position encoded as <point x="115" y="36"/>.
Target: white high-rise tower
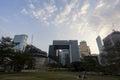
<point x="99" y="43"/>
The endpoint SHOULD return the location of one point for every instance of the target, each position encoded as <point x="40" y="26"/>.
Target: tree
<point x="91" y="64"/>
<point x="11" y="60"/>
<point x="54" y="65"/>
<point x="77" y="66"/>
<point x="22" y="60"/>
<point x="87" y="64"/>
<point x="6" y="52"/>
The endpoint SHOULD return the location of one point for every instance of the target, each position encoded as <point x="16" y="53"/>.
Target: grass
<point x="41" y="75"/>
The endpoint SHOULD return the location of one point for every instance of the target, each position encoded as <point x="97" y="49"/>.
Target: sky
<point x="48" y="20"/>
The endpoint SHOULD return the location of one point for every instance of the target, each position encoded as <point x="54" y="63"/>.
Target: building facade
<point x="64" y="56"/>
<point x="111" y="39"/>
<point x="84" y="49"/>
<point x="21" y="42"/>
<point x="110" y="42"/>
<point x="39" y="56"/>
<point x="99" y="44"/>
<point x="71" y="45"/>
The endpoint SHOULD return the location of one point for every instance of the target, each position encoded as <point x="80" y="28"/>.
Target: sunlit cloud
<point x="85" y="8"/>
<point x="79" y="20"/>
<point x="100" y="4"/>
<point x="65" y="15"/>
<point x="108" y="13"/>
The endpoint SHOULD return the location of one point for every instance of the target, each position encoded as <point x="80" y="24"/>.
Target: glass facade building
<point x="21" y="42"/>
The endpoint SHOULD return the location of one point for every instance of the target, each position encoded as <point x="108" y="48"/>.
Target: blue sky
<point x="49" y="20"/>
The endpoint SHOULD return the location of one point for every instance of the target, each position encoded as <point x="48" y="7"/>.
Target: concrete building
<point x="109" y="45"/>
<point x="71" y="45"/>
<point x="101" y="50"/>
<point x="39" y="56"/>
<point x="111" y="39"/>
<point x="99" y="43"/>
<point x="84" y="49"/>
<point x="21" y="41"/>
<point x="64" y="56"/>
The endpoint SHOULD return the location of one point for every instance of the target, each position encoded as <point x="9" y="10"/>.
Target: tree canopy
<point x="11" y="60"/>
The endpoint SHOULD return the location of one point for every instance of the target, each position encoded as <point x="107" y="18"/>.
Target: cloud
<point x="39" y="14"/>
<point x="81" y="19"/>
<point x="85" y="8"/>
<point x="24" y="11"/>
<point x="31" y="6"/>
<point x="64" y="16"/>
<point x="109" y="9"/>
<point x="108" y="12"/>
<point x="42" y="13"/>
<point x="50" y="8"/>
<point x="73" y="14"/>
<point x="101" y="4"/>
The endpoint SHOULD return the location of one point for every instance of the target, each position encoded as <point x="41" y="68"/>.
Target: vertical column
<point x="70" y="53"/>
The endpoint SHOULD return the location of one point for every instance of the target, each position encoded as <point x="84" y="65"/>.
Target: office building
<point x="39" y="56"/>
<point x="111" y="39"/>
<point x="71" y="45"/>
<point x="109" y="45"/>
<point x="64" y="56"/>
<point x="99" y="43"/>
<point x="21" y="42"/>
<point x="84" y="49"/>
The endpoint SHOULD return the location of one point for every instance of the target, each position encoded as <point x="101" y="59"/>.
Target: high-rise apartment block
<point x="21" y="42"/>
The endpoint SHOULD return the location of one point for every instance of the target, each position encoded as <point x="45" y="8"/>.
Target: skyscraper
<point x="110" y="43"/>
<point x="99" y="43"/>
<point x="84" y="49"/>
<point x="21" y="41"/>
<point x="111" y="39"/>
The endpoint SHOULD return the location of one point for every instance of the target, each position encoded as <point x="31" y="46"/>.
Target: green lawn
<point x="51" y="76"/>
